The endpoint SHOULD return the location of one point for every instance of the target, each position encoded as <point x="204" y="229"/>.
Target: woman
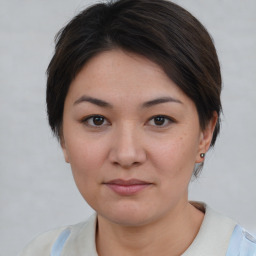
<point x="133" y="95"/>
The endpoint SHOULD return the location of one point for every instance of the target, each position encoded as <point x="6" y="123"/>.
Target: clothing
<point x="218" y="235"/>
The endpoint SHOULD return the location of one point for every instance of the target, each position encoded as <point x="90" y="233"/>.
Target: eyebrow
<point x="160" y="101"/>
<point x="92" y="100"/>
<point x="102" y="103"/>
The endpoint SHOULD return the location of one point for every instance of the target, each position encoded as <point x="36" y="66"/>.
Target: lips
<point x="127" y="187"/>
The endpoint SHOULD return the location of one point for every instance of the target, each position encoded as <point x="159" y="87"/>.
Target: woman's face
<point x="132" y="138"/>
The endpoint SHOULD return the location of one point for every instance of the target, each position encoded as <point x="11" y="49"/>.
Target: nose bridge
<point x="127" y="138"/>
<point x="127" y="147"/>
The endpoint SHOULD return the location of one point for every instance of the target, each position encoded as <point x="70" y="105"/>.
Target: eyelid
<point x="85" y="119"/>
<point x="170" y="119"/>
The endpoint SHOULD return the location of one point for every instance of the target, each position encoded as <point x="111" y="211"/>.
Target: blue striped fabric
<point x="241" y="243"/>
<point x="60" y="242"/>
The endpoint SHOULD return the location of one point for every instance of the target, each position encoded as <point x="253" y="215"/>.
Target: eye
<point x="95" y="121"/>
<point x="160" y="121"/>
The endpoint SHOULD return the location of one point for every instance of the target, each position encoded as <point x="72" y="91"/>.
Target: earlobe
<point x="206" y="138"/>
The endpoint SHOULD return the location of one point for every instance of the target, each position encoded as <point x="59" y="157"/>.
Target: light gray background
<point x="37" y="191"/>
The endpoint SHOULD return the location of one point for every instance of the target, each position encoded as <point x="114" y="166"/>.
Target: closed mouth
<point x="130" y="182"/>
<point x="127" y="187"/>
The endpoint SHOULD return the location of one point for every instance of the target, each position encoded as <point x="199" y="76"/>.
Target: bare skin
<point x="166" y="239"/>
<point x="132" y="138"/>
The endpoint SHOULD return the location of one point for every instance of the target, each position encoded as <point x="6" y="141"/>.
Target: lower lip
<point x="127" y="190"/>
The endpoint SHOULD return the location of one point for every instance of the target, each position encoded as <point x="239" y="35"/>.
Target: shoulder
<point x="50" y="242"/>
<point x="220" y="235"/>
<point x="241" y="243"/>
<point x="41" y="245"/>
<point x="214" y="234"/>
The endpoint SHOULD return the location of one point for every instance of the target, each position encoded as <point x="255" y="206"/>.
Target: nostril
<point x="126" y="165"/>
<point x="127" y="155"/>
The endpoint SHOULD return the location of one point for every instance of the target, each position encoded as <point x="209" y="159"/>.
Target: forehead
<point x="117" y="73"/>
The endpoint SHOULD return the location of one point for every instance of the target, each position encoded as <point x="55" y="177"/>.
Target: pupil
<point x="159" y="120"/>
<point x="98" y="120"/>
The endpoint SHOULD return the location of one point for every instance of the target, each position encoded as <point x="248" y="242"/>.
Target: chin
<point x="129" y="216"/>
<point x="130" y="221"/>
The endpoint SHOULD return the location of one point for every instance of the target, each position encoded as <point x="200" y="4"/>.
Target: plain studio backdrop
<point x="37" y="191"/>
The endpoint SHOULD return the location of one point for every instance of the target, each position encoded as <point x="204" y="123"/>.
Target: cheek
<point x="85" y="157"/>
<point x="86" y="164"/>
<point x="174" y="162"/>
<point x="175" y="157"/>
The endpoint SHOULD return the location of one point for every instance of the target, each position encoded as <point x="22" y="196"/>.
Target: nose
<point x="127" y="149"/>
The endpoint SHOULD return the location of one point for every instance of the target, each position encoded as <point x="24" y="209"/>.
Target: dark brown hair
<point x="156" y="29"/>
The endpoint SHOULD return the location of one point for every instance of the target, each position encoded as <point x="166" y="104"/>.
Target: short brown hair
<point x="156" y="29"/>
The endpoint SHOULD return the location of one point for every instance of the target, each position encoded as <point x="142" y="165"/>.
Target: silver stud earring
<point x="202" y="155"/>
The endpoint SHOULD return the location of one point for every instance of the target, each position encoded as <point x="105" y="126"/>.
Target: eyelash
<point x="166" y="118"/>
<point x="92" y="117"/>
<point x="86" y="120"/>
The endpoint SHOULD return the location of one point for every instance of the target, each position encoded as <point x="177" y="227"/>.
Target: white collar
<point x="214" y="234"/>
<point x="211" y="240"/>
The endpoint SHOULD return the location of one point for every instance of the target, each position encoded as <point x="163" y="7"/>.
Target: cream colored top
<point x="212" y="239"/>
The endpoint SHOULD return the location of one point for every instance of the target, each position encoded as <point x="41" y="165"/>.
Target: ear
<point x="64" y="149"/>
<point x="206" y="137"/>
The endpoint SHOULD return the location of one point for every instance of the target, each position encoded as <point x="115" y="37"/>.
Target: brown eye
<point x="159" y="120"/>
<point x="95" y="121"/>
<point x="98" y="120"/>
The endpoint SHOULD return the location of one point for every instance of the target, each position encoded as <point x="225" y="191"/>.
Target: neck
<point x="171" y="235"/>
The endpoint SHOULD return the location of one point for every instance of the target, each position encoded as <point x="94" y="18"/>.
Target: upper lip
<point x="129" y="182"/>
